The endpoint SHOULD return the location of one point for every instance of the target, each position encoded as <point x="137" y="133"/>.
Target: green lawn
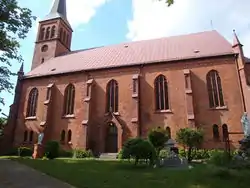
<point x="115" y="174"/>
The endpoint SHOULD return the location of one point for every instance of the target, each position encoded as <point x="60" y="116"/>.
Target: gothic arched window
<point x="112" y="96"/>
<point x="225" y="132"/>
<point x="62" y="136"/>
<point x="32" y="103"/>
<point x="168" y="130"/>
<point x="61" y="33"/>
<point x="42" y="33"/>
<point x="69" y="136"/>
<point x="216" y="134"/>
<point x="64" y="37"/>
<point x="161" y="93"/>
<point x="214" y="89"/>
<point x="31" y="136"/>
<point x="67" y="39"/>
<point x="53" y="31"/>
<point x="47" y="33"/>
<point x="69" y="100"/>
<point x="25" y="136"/>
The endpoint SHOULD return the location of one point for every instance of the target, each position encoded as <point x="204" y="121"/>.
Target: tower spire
<point x="236" y="41"/>
<point x="59" y="10"/>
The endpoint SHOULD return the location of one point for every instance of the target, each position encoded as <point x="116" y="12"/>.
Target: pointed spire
<point x="59" y="10"/>
<point x="59" y="7"/>
<point x="236" y="41"/>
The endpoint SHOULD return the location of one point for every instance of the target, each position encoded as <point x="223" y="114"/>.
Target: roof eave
<point x="130" y="65"/>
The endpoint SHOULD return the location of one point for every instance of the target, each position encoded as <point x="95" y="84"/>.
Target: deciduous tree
<point x="15" y="23"/>
<point x="169" y="2"/>
<point x="190" y="138"/>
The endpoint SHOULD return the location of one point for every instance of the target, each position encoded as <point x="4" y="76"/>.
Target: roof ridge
<point x="165" y="49"/>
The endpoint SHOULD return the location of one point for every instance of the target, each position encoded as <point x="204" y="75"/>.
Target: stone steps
<point x="108" y="156"/>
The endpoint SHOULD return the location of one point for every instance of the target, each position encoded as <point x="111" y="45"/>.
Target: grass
<point x="116" y="174"/>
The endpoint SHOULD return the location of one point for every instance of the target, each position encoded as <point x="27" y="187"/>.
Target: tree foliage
<point x="3" y="122"/>
<point x="15" y="23"/>
<point x="169" y="2"/>
<point x="190" y="138"/>
<point x="158" y="137"/>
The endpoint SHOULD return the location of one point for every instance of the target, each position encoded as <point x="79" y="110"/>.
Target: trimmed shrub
<point x="24" y="152"/>
<point x="138" y="148"/>
<point x="119" y="155"/>
<point x="164" y="153"/>
<point x="158" y="137"/>
<point x="220" y="158"/>
<point x="52" y="149"/>
<point x="64" y="153"/>
<point x="80" y="153"/>
<point x="11" y="152"/>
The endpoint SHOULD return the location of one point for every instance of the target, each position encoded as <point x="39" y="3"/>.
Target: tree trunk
<point x="189" y="154"/>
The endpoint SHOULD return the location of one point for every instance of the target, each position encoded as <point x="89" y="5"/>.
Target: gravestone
<point x="173" y="160"/>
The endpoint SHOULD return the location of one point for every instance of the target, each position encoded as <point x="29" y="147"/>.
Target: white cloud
<point x="153" y="19"/>
<point x="78" y="11"/>
<point x="81" y="11"/>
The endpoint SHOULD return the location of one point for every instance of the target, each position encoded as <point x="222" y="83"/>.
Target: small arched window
<point x="214" y="88"/>
<point x="168" y="131"/>
<point x="47" y="33"/>
<point x="61" y="34"/>
<point x="32" y="103"/>
<point x="112" y="96"/>
<point x="25" y="136"/>
<point x="42" y="33"/>
<point x="216" y="134"/>
<point x="69" y="136"/>
<point x="67" y="39"/>
<point x="225" y="132"/>
<point x="31" y="136"/>
<point x="53" y="31"/>
<point x="161" y="93"/>
<point x="69" y="100"/>
<point x="64" y="37"/>
<point x="62" y="136"/>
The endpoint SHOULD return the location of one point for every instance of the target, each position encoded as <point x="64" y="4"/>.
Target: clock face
<point x="44" y="48"/>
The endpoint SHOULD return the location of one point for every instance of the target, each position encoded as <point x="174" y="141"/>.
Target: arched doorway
<point x="111" y="138"/>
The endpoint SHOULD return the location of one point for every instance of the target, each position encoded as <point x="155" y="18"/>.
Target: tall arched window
<point x="161" y="93"/>
<point x="42" y="33"/>
<point x="168" y="131"/>
<point x="112" y="96"/>
<point x="216" y="134"/>
<point x="53" y="31"/>
<point x="214" y="89"/>
<point x="62" y="136"/>
<point x="67" y="39"/>
<point x="25" y="136"/>
<point x="61" y="34"/>
<point x="47" y="33"/>
<point x="32" y="103"/>
<point x="69" y="136"/>
<point x="31" y="136"/>
<point x="225" y="132"/>
<point x="69" y="100"/>
<point x="64" y="37"/>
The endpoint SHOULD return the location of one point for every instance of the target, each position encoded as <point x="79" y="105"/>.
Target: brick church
<point x="99" y="97"/>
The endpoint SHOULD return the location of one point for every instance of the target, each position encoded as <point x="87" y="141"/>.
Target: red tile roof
<point x="197" y="45"/>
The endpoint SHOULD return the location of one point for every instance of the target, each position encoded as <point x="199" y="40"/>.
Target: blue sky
<point x="104" y="22"/>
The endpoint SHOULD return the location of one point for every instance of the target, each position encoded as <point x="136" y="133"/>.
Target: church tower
<point x="54" y="35"/>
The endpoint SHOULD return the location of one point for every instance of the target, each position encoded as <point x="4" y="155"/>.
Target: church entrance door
<point x="111" y="138"/>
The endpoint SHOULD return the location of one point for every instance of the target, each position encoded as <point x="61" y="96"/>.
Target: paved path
<point x="16" y="175"/>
